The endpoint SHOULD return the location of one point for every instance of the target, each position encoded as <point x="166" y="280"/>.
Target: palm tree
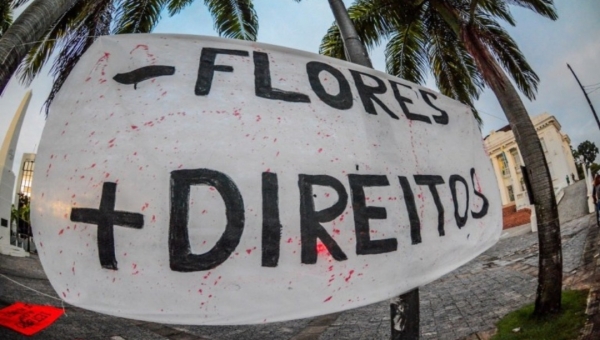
<point x="28" y="28"/>
<point x="70" y="27"/>
<point x="463" y="44"/>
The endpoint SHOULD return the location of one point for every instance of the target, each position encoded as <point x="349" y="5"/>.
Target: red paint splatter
<point x="258" y="118"/>
<point x="145" y="206"/>
<point x="248" y="251"/>
<point x="477" y="180"/>
<point x="134" y="265"/>
<point x="289" y="240"/>
<point x="320" y="150"/>
<point x="329" y="298"/>
<point x="61" y="232"/>
<point x="349" y="276"/>
<point x="142" y="46"/>
<point x="153" y="218"/>
<point x="93" y="165"/>
<point x="321" y="249"/>
<point x="134" y="127"/>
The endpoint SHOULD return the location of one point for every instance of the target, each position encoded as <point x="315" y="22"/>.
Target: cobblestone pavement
<point x="574" y="202"/>
<point x="471" y="299"/>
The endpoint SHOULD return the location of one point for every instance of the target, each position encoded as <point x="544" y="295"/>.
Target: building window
<point x="543" y="145"/>
<point x="503" y="162"/>
<point x="511" y="194"/>
<point x="551" y="171"/>
<point x="515" y="155"/>
<point x="523" y="188"/>
<point x="27" y="178"/>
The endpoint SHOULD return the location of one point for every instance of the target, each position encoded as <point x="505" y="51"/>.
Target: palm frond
<point x="455" y="71"/>
<point x="332" y="44"/>
<point x="506" y="51"/>
<point x="496" y="8"/>
<point x="405" y="53"/>
<point x="137" y="16"/>
<point x="235" y="19"/>
<point x="542" y="7"/>
<point x="96" y="21"/>
<point x="16" y="3"/>
<point x="176" y="6"/>
<point x="41" y="51"/>
<point x="372" y="19"/>
<point x="6" y="17"/>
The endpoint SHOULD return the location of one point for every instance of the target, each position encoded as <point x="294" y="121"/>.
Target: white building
<point x="23" y="184"/>
<point x="506" y="159"/>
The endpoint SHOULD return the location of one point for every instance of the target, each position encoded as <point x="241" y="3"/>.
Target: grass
<point x="565" y="326"/>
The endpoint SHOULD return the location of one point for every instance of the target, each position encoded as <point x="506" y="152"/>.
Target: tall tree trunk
<point x="548" y="295"/>
<point x="404" y="309"/>
<point x="29" y="27"/>
<point x="355" y="49"/>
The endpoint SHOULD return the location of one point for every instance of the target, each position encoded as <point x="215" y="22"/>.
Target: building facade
<point x="507" y="161"/>
<point x="23" y="184"/>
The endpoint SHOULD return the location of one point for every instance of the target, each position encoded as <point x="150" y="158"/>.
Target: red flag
<point x="28" y="319"/>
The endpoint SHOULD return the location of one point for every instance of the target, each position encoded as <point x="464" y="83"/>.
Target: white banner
<point x="184" y="179"/>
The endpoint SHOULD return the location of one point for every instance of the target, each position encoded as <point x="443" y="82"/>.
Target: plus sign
<point x="105" y="218"/>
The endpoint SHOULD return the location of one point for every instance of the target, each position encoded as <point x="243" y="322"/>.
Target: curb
<point x="591" y="256"/>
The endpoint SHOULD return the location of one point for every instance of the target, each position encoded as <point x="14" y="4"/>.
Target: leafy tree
<point x="20" y="214"/>
<point x="588" y="150"/>
<point x="465" y="47"/>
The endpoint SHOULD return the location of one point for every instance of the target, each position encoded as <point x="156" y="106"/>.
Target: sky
<point x="548" y="46"/>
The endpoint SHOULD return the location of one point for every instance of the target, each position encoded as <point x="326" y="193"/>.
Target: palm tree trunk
<point x="355" y="49"/>
<point x="404" y="309"/>
<point x="29" y="27"/>
<point x="548" y="295"/>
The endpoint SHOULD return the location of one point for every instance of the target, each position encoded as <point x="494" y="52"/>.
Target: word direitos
<point x="311" y="229"/>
